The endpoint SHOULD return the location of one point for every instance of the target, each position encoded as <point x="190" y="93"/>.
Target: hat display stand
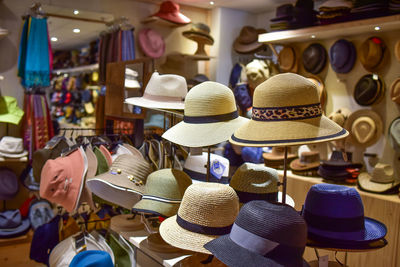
<point x="201" y="41"/>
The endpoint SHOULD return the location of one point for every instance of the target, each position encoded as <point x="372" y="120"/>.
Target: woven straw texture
<point x="206" y="204"/>
<point x="381" y="179"/>
<point x="206" y="99"/>
<point x="286" y="90"/>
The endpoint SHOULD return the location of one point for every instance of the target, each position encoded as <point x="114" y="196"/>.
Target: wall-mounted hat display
<point x="381" y="180"/>
<point x="342" y="56"/>
<point x="314" y="58"/>
<point x="395" y="91"/>
<point x="151" y="43"/>
<point x="170" y="11"/>
<point x="372" y="53"/>
<point x="334" y="11"/>
<point x="397" y="50"/>
<point x="287" y="60"/>
<point x="283" y="17"/>
<point x="247" y="41"/>
<point x="369" y="90"/>
<point x="394" y="134"/>
<point x="365" y="126"/>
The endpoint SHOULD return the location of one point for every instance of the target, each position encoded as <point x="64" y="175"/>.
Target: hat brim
<point x="287" y="133"/>
<point x="154" y="243"/>
<point x="297" y="166"/>
<point x="17" y="231"/>
<point x="156" y="207"/>
<point x="246" y="48"/>
<point x="11" y="118"/>
<point x="202" y="134"/>
<point x="178" y="237"/>
<point x="232" y="254"/>
<point x="12" y="155"/>
<point x="272" y="157"/>
<point x="199" y="36"/>
<point x="177" y="17"/>
<point x="365" y="183"/>
<point x="147" y="103"/>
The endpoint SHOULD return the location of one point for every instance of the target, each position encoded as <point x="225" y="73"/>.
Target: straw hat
<point x="369" y="90"/>
<point x="256" y="182"/>
<point x="287" y="60"/>
<point x="372" y="53"/>
<point x="208" y="210"/>
<point x="308" y="160"/>
<point x="286" y="111"/>
<point x="395" y="91"/>
<point x="321" y="89"/>
<point x="381" y="180"/>
<point x="394" y="134"/>
<point x="210" y="117"/>
<point x="397" y="50"/>
<point x="125" y="223"/>
<point x="276" y="157"/>
<point x="365" y="126"/>
<point x="163" y="193"/>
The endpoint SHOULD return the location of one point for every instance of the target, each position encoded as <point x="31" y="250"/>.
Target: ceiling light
<point x="76" y="12"/>
<point x="212" y="3"/>
<point x="312" y="36"/>
<point x="76" y="30"/>
<point x="54" y="39"/>
<point x="377" y="28"/>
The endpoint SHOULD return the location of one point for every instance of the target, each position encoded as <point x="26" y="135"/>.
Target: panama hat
<point x="12" y="147"/>
<point x="247" y="41"/>
<point x="286" y="111"/>
<point x="125" y="223"/>
<point x="207" y="211"/>
<point x="151" y="43"/>
<point x="372" y="53"/>
<point x="397" y="50"/>
<point x="365" y="126"/>
<point x="256" y="182"/>
<point x="335" y="216"/>
<point x="381" y="180"/>
<point x="342" y="56"/>
<point x="287" y="60"/>
<point x="369" y="90"/>
<point x="395" y="91"/>
<point x="9" y="110"/>
<point x="210" y="117"/>
<point x="163" y="192"/>
<point x="124" y="183"/>
<point x="196" y="167"/>
<point x="314" y="58"/>
<point x="264" y="234"/>
<point x="394" y="134"/>
<point x="321" y="89"/>
<point x="162" y="91"/>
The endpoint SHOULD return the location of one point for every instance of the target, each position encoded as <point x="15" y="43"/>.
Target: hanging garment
<point x="128" y="45"/>
<point x="22" y="48"/>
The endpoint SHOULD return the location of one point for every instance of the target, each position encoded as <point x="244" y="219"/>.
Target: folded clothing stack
<point x="340" y="170"/>
<point x="334" y="11"/>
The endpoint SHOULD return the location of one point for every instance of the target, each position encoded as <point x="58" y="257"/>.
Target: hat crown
<point x="10" y="219"/>
<point x="167" y="183"/>
<point x="287" y="58"/>
<point x="363" y="129"/>
<point x="126" y="164"/>
<point x="200" y="27"/>
<point x="340" y="53"/>
<point x="209" y="204"/>
<point x="198" y="163"/>
<point x="170" y="85"/>
<point x="371" y="52"/>
<point x="155" y="40"/>
<point x="312" y="57"/>
<point x="382" y="173"/>
<point x="248" y="35"/>
<point x="169" y="7"/>
<point x="309" y="157"/>
<point x="9" y="144"/>
<point x="395" y="91"/>
<point x="208" y="99"/>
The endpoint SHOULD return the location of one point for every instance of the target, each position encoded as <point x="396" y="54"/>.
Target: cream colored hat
<point x="126" y="223"/>
<point x="210" y="117"/>
<point x="286" y="111"/>
<point x="131" y="79"/>
<point x="256" y="182"/>
<point x="208" y="210"/>
<point x="380" y="181"/>
<point x="12" y="147"/>
<point x="257" y="71"/>
<point x="162" y="91"/>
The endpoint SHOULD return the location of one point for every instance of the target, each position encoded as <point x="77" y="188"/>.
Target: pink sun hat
<point x="151" y="43"/>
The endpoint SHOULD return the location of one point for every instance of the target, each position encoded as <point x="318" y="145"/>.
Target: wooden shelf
<point x="366" y="26"/>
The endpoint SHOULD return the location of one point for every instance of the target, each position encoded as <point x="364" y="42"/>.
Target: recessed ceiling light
<point x="312" y="36"/>
<point x="54" y="39"/>
<point x="76" y="30"/>
<point x="377" y="28"/>
<point x="212" y="3"/>
<point x="76" y="12"/>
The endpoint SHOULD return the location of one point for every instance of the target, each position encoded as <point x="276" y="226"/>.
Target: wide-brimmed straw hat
<point x="365" y="126"/>
<point x="210" y="117"/>
<point x="170" y="11"/>
<point x="369" y="90"/>
<point x="381" y="180"/>
<point x="321" y="89"/>
<point x="208" y="210"/>
<point x="287" y="60"/>
<point x="256" y="182"/>
<point x="264" y="234"/>
<point x="372" y="54"/>
<point x="395" y="91"/>
<point x="394" y="134"/>
<point x="247" y="41"/>
<point x="124" y="183"/>
<point x="163" y="192"/>
<point x="163" y="91"/>
<point x="286" y="111"/>
<point x="335" y="217"/>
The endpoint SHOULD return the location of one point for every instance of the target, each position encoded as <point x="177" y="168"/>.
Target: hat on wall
<point x="8" y="184"/>
<point x="12" y="224"/>
<point x="342" y="56"/>
<point x="372" y="53"/>
<point x="92" y="258"/>
<point x="131" y="78"/>
<point x="12" y="147"/>
<point x="395" y="91"/>
<point x="124" y="183"/>
<point x="162" y="91"/>
<point x="264" y="234"/>
<point x="286" y="111"/>
<point x="247" y="41"/>
<point x="256" y="182"/>
<point x="314" y="58"/>
<point x="381" y="180"/>
<point x="397" y="50"/>
<point x="365" y="126"/>
<point x="394" y="134"/>
<point x="287" y="60"/>
<point x="208" y="210"/>
<point x="199" y="31"/>
<point x="125" y="223"/>
<point x="196" y="167"/>
<point x="210" y="117"/>
<point x="369" y="90"/>
<point x="321" y="89"/>
<point x="335" y="217"/>
<point x="9" y="110"/>
<point x="163" y="192"/>
<point x="170" y="11"/>
<point x="62" y="179"/>
<point x="151" y="43"/>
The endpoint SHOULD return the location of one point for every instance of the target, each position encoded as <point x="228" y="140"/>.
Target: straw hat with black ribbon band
<point x="208" y="210"/>
<point x="321" y="90"/>
<point x="210" y="117"/>
<point x="381" y="180"/>
<point x="286" y="111"/>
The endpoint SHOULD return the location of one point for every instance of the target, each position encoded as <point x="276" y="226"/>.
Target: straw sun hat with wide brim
<point x="210" y="117"/>
<point x="286" y="111"/>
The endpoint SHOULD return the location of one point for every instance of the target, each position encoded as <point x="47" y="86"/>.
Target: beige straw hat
<point x="380" y="181"/>
<point x="286" y="111"/>
<point x="210" y="117"/>
<point x="321" y="89"/>
<point x="208" y="210"/>
<point x="126" y="223"/>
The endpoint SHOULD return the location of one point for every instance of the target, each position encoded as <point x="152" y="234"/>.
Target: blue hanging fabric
<point x="128" y="45"/>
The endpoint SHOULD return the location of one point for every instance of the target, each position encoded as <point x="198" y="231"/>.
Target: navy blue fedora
<point x="335" y="217"/>
<point x="342" y="56"/>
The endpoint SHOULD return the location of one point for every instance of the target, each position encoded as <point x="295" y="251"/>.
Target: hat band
<point x="201" y="229"/>
<point x="334" y="224"/>
<point x="250" y="241"/>
<point x="245" y="197"/>
<point x="161" y="199"/>
<point x="203" y="177"/>
<point x="212" y="118"/>
<point x="291" y="113"/>
<point x="163" y="98"/>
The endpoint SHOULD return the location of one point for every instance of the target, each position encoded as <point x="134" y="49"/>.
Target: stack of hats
<point x="339" y="168"/>
<point x="276" y="157"/>
<point x="394" y="6"/>
<point x="363" y="9"/>
<point x="307" y="164"/>
<point x="334" y="11"/>
<point x="283" y="18"/>
<point x="381" y="180"/>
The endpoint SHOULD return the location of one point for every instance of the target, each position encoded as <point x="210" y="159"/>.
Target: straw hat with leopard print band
<point x="124" y="183"/>
<point x="286" y="111"/>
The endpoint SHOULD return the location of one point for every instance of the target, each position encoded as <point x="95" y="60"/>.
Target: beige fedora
<point x="365" y="126"/>
<point x="397" y="50"/>
<point x="210" y="117"/>
<point x="287" y="60"/>
<point x="275" y="158"/>
<point x="208" y="210"/>
<point x="286" y="111"/>
<point x="381" y="180"/>
<point x="395" y="91"/>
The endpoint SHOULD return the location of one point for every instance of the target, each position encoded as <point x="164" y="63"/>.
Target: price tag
<point x="323" y="261"/>
<point x="217" y="169"/>
<point x="80" y="242"/>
